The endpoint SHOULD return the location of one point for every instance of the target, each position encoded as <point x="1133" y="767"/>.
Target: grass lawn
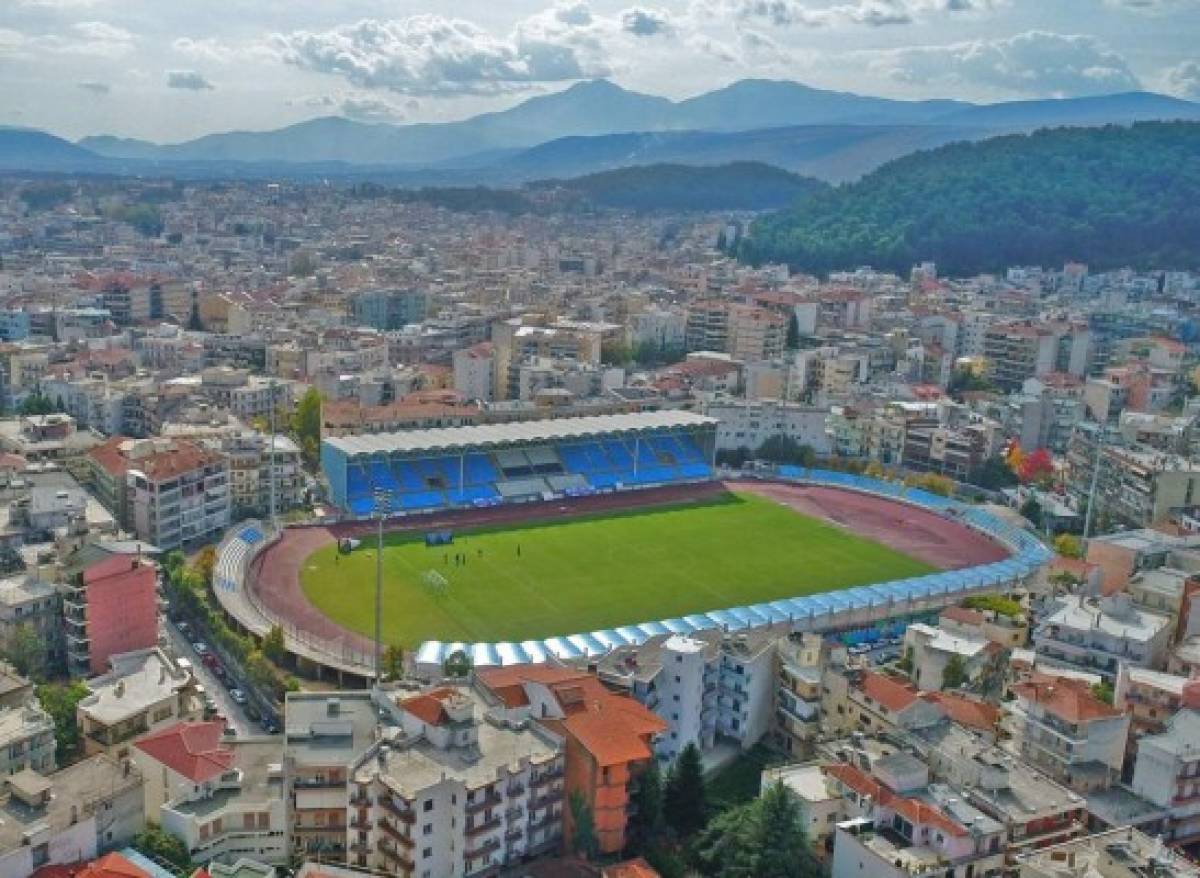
<point x="592" y="573"/>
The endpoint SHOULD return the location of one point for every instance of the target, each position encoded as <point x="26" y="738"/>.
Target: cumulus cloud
<point x="1032" y="63"/>
<point x="188" y="80"/>
<point x="430" y="55"/>
<point x="646" y="22"/>
<point x="206" y="49"/>
<point x="95" y="87"/>
<point x="1184" y="80"/>
<point x="871" y="13"/>
<point x="370" y="108"/>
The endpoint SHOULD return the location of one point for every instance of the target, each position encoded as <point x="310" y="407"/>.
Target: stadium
<point x="518" y="542"/>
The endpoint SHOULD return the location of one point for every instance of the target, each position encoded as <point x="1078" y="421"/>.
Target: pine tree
<point x="781" y="846"/>
<point x="792" y="342"/>
<point x="583" y="827"/>
<point x="684" y="797"/>
<point x="648" y="824"/>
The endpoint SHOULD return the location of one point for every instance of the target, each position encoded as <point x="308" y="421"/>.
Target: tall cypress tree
<point x="684" y="797"/>
<point x="648" y="822"/>
<point x="781" y="845"/>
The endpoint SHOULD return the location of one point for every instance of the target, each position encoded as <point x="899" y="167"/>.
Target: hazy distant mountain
<point x="599" y="107"/>
<point x="36" y="150"/>
<point x="829" y="152"/>
<point x="1137" y="106"/>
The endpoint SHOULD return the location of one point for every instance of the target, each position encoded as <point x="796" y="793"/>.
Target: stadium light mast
<point x="271" y="458"/>
<point x="382" y="502"/>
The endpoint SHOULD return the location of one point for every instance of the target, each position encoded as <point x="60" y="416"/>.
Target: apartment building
<point x="325" y="735"/>
<point x="221" y="798"/>
<point x="1117" y="853"/>
<point x="34" y="605"/>
<point x="855" y="699"/>
<point x="458" y="790"/>
<point x="245" y="395"/>
<point x="609" y="738"/>
<point x="74" y="814"/>
<point x="947" y="450"/>
<point x="743" y="331"/>
<point x="389" y="309"/>
<point x="1003" y="630"/>
<point x="110" y="608"/>
<point x="902" y="825"/>
<point x="251" y="456"/>
<point x="800" y="660"/>
<point x="26" y="739"/>
<point x="1166" y="772"/>
<point x="1069" y="733"/>
<point x="931" y="648"/>
<point x="1015" y="351"/>
<point x="705" y="686"/>
<point x="475" y="372"/>
<point x="168" y="492"/>
<point x="1097" y="635"/>
<point x="1149" y="697"/>
<point x="750" y="423"/>
<point x="143" y="692"/>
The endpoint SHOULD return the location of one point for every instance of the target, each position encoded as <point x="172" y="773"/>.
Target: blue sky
<point x="170" y="70"/>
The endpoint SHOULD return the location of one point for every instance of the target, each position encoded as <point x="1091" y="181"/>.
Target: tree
<point x="1103" y="691"/>
<point x="993" y="474"/>
<point x="792" y="342"/>
<point x="1068" y="546"/>
<point x="306" y="424"/>
<point x="393" y="662"/>
<point x="26" y="652"/>
<point x="954" y="674"/>
<point x="1015" y="458"/>
<point x="725" y="848"/>
<point x="195" y="323"/>
<point x="647" y="824"/>
<point x="274" y="646"/>
<point x="1032" y="510"/>
<point x="583" y="827"/>
<point x="164" y="848"/>
<point x="457" y="664"/>
<point x="780" y="840"/>
<point x="781" y="448"/>
<point x="684" y="797"/>
<point x="206" y="563"/>
<point x="1036" y="467"/>
<point x="10" y="560"/>
<point x="60" y="700"/>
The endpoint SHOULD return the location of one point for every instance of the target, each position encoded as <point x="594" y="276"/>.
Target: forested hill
<point x="1111" y="197"/>
<point x="733" y="186"/>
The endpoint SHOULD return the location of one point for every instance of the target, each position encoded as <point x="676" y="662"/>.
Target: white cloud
<point x="188" y="80"/>
<point x="370" y="108"/>
<point x="95" y="38"/>
<point x="1032" y="63"/>
<point x="647" y="22"/>
<point x="1183" y="80"/>
<point x="206" y="49"/>
<point x="872" y="13"/>
<point x="95" y="87"/>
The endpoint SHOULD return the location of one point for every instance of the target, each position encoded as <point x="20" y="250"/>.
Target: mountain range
<point x="594" y="126"/>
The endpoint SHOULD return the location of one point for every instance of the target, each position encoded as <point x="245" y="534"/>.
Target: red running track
<point x="922" y="534"/>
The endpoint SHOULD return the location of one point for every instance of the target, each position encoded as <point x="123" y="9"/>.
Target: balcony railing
<point x="402" y="812"/>
<point x="485" y="826"/>
<point x="489" y="801"/>
<point x="394" y="832"/>
<point x="483" y="850"/>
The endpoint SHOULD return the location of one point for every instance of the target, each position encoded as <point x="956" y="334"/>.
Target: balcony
<point x="306" y="828"/>
<point x="481" y="828"/>
<point x="546" y="777"/>
<point x="394" y="832"/>
<point x="491" y="800"/>
<point x="492" y="844"/>
<point x="546" y="800"/>
<point x="402" y="812"/>
<point x="317" y="783"/>
<point x="516" y="789"/>
<point x="390" y="851"/>
<point x="550" y="818"/>
<point x="360" y="823"/>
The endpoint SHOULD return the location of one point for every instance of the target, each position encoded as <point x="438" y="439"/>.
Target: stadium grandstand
<point x="425" y="470"/>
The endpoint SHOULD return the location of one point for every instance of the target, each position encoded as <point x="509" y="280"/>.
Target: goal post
<point x="435" y="582"/>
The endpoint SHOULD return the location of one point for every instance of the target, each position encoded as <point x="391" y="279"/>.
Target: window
<point x="428" y="805"/>
<point x="427" y="829"/>
<point x="426" y="854"/>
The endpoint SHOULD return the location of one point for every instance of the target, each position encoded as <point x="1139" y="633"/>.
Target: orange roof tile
<point x="913" y="810"/>
<point x="635" y="868"/>
<point x="889" y="693"/>
<point x="429" y="706"/>
<point x="192" y="749"/>
<point x="965" y="711"/>
<point x="1068" y="698"/>
<point x="112" y="866"/>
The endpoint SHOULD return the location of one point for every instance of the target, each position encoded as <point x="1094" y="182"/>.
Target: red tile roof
<point x="965" y="711"/>
<point x="635" y="868"/>
<point x="963" y="615"/>
<point x="1065" y="697"/>
<point x="914" y="810"/>
<point x="191" y="749"/>
<point x="429" y="707"/>
<point x="891" y="694"/>
<point x="112" y="866"/>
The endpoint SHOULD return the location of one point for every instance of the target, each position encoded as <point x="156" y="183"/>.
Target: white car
<point x="201" y="648"/>
<point x="238" y="696"/>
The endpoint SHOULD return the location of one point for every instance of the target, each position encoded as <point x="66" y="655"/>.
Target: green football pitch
<point x="539" y="579"/>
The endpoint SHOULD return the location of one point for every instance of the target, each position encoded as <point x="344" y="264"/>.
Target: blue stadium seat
<point x="410" y="479"/>
<point x="381" y="475"/>
<point x="689" y="451"/>
<point x="480" y="470"/>
<point x="618" y="455"/>
<point x="362" y="505"/>
<point x="695" y="471"/>
<point x="422" y="500"/>
<point x="473" y="493"/>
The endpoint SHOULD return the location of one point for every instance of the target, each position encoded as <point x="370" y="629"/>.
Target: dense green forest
<point x="1111" y="197"/>
<point x="733" y="186"/>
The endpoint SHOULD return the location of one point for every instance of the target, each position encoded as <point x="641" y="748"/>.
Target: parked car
<point x="252" y="713"/>
<point x="238" y="696"/>
<point x="184" y="628"/>
<point x="201" y="648"/>
<point x="269" y="726"/>
<point x="210" y="661"/>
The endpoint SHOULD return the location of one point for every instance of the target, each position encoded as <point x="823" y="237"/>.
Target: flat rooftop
<point x="316" y="735"/>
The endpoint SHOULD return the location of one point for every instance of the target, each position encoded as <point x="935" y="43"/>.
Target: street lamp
<point x="383" y="502"/>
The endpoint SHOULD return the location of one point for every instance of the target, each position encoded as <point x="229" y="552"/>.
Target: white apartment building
<point x="748" y="424"/>
<point x="932" y="649"/>
<point x="475" y="372"/>
<point x="454" y="790"/>
<point x="1098" y="634"/>
<point x="26" y="739"/>
<point x="1167" y="772"/>
<point x="223" y="799"/>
